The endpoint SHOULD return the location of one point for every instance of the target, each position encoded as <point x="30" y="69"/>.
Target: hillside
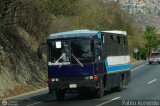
<point x="145" y="7"/>
<point x="145" y="12"/>
<point x="25" y="24"/>
<point x="147" y="20"/>
<point x="19" y="66"/>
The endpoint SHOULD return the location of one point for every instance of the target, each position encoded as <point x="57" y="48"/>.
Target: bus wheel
<point x="100" y="91"/>
<point x="120" y="86"/>
<point x="60" y="94"/>
<point x="150" y="62"/>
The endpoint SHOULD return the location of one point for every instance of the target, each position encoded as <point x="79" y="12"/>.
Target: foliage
<point x="61" y="7"/>
<point x="142" y="53"/>
<point x="40" y="18"/>
<point x="151" y="36"/>
<point x="152" y="41"/>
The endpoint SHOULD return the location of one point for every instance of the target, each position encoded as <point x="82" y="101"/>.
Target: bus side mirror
<point x="39" y="50"/>
<point x="99" y="49"/>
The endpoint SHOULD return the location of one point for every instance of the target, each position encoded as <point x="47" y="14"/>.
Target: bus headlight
<point x="88" y="77"/>
<point x="55" y="79"/>
<point x="91" y="77"/>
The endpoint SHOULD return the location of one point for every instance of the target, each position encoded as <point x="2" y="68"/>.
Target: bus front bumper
<point x="74" y="85"/>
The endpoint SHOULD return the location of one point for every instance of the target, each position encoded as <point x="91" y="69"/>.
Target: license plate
<point x="72" y="85"/>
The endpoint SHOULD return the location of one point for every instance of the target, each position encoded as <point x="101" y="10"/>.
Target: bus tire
<point x="100" y="91"/>
<point x="120" y="86"/>
<point x="150" y="62"/>
<point x="60" y="95"/>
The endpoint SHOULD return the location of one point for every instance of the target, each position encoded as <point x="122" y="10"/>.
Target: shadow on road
<point x="153" y="64"/>
<point x="45" y="98"/>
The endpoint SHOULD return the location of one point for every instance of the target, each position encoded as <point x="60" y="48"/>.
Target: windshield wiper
<point x="77" y="60"/>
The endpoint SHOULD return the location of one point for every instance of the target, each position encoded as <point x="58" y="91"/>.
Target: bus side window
<point x="112" y="37"/>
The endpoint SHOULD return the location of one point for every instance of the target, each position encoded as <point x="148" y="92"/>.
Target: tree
<point x="151" y="36"/>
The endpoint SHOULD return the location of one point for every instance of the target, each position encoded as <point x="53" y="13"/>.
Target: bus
<point x="87" y="61"/>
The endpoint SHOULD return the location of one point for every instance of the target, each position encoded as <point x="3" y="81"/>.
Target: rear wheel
<point x="120" y="86"/>
<point x="60" y="95"/>
<point x="150" y="62"/>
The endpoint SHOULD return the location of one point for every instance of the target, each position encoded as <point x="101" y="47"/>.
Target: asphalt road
<point x="144" y="90"/>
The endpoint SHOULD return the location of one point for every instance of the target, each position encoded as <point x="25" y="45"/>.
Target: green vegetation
<point x="40" y="18"/>
<point x="151" y="37"/>
<point x="152" y="41"/>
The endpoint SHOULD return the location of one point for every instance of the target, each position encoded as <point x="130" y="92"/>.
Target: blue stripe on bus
<point x="115" y="68"/>
<point x="119" y="67"/>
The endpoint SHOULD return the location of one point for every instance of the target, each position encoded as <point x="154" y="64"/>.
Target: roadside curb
<point x="27" y="93"/>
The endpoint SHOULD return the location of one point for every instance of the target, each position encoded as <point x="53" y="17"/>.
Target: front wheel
<point x="60" y="95"/>
<point x="100" y="91"/>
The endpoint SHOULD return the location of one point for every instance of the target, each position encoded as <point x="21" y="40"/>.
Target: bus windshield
<point x="63" y="51"/>
<point x="83" y="50"/>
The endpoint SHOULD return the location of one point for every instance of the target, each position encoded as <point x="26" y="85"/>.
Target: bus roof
<point x="116" y="32"/>
<point x="74" y="33"/>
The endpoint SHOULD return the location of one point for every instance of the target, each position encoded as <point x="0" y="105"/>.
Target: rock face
<point x="148" y="20"/>
<point x="145" y="12"/>
<point x="19" y="64"/>
<point x="145" y="7"/>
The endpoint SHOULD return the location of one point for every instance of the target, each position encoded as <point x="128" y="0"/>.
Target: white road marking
<point x="151" y="81"/>
<point x="138" y="67"/>
<point x="108" y="101"/>
<point x="34" y="103"/>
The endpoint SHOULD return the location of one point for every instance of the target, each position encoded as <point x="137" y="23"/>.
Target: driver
<point x="63" y="57"/>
